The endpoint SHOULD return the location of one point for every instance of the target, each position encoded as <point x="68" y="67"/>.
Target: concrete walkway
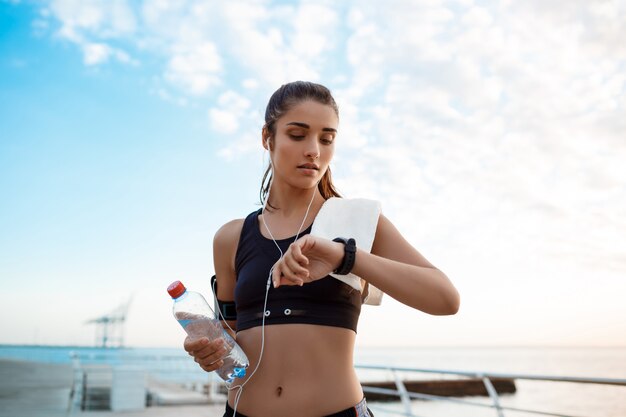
<point x="29" y="389"/>
<point x="209" y="410"/>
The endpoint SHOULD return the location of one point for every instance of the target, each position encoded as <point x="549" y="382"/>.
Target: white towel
<point x="351" y="218"/>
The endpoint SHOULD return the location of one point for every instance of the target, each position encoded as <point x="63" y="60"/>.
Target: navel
<point x="279" y="391"/>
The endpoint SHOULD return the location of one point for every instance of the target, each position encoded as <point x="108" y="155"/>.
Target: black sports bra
<point x="326" y="302"/>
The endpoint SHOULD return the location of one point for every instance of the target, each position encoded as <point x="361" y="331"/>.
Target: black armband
<point x="224" y="310"/>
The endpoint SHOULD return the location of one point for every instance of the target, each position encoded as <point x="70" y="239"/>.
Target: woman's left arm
<point x="394" y="266"/>
<point x="399" y="270"/>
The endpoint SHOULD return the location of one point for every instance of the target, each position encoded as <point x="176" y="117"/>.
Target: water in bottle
<point x="197" y="318"/>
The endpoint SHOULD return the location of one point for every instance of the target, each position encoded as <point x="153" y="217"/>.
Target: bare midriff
<point x="305" y="368"/>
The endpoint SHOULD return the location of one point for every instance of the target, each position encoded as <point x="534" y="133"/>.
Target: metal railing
<point x="181" y="369"/>
<point x="405" y="396"/>
<point x="92" y="381"/>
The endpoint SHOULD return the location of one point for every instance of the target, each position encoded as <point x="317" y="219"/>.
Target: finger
<point x="212" y="367"/>
<point x="297" y="254"/>
<point x="294" y="267"/>
<point x="210" y="357"/>
<point x="279" y="278"/>
<point x="287" y="275"/>
<point x="209" y="348"/>
<point x="276" y="274"/>
<point x="193" y="344"/>
<point x="293" y="283"/>
<point x="284" y="280"/>
<point x="205" y="350"/>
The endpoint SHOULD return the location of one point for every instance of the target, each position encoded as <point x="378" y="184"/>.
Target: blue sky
<point x="492" y="133"/>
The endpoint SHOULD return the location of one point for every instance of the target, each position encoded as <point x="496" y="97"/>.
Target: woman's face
<point x="304" y="143"/>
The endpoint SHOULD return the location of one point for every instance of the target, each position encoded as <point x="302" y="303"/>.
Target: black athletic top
<point x="327" y="301"/>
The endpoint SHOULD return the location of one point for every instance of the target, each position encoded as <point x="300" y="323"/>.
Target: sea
<point x="550" y="398"/>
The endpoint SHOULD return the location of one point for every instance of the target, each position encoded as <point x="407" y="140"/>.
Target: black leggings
<point x="359" y="410"/>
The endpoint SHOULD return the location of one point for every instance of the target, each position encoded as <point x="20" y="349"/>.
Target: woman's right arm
<point x="208" y="353"/>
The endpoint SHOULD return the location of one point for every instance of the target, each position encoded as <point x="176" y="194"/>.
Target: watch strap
<point x="349" y="256"/>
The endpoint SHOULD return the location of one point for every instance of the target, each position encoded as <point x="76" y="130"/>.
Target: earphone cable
<point x="267" y="288"/>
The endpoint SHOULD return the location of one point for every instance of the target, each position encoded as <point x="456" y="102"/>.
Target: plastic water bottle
<point x="197" y="318"/>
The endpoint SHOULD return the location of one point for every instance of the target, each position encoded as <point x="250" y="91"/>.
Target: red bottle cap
<point x="176" y="289"/>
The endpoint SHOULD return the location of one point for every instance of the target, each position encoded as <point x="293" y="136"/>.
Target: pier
<point x="33" y="389"/>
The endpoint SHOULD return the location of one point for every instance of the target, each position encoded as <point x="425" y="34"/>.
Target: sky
<point x="492" y="132"/>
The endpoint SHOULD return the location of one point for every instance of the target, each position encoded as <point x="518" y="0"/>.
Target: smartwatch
<point x="349" y="255"/>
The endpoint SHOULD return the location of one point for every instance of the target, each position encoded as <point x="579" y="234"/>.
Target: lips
<point x="309" y="166"/>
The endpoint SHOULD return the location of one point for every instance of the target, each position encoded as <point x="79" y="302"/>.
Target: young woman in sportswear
<point x="308" y="336"/>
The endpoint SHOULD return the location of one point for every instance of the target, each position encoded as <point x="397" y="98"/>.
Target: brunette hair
<point x="283" y="99"/>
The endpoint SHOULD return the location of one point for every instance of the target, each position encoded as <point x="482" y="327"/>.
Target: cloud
<point x="99" y="53"/>
<point x="96" y="53"/>
<point x="197" y="40"/>
<point x="223" y="121"/>
<point x="250" y="84"/>
<point x="311" y="41"/>
<point x="40" y="27"/>
<point x="279" y="53"/>
<point x="194" y="67"/>
<point x="92" y="26"/>
<point x="493" y="132"/>
<point x="231" y="110"/>
<point x="103" y="18"/>
<point x="166" y="95"/>
<point x="484" y="122"/>
<point x="520" y="103"/>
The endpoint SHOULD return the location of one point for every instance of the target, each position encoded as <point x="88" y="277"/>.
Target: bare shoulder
<point x="225" y="245"/>
<point x="228" y="235"/>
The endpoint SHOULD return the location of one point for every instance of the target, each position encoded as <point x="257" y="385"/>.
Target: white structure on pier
<point x="110" y="327"/>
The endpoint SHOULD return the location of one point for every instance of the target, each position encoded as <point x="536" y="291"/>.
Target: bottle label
<point x="239" y="372"/>
<point x="184" y="323"/>
<point x="201" y="327"/>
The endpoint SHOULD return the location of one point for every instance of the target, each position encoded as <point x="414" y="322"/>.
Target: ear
<point x="265" y="138"/>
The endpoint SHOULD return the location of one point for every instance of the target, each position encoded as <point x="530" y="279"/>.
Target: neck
<point x="294" y="210"/>
<point x="292" y="202"/>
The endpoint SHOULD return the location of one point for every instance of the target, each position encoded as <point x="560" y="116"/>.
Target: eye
<point x="296" y="134"/>
<point x="327" y="140"/>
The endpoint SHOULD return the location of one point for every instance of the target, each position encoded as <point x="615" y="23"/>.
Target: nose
<point x="312" y="150"/>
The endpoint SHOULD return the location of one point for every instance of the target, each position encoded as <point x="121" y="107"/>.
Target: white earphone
<point x="268" y="284"/>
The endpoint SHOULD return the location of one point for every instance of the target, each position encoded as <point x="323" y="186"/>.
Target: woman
<point x="306" y="367"/>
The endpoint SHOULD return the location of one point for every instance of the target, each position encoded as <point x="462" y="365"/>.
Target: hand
<point x="307" y="259"/>
<point x="206" y="353"/>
